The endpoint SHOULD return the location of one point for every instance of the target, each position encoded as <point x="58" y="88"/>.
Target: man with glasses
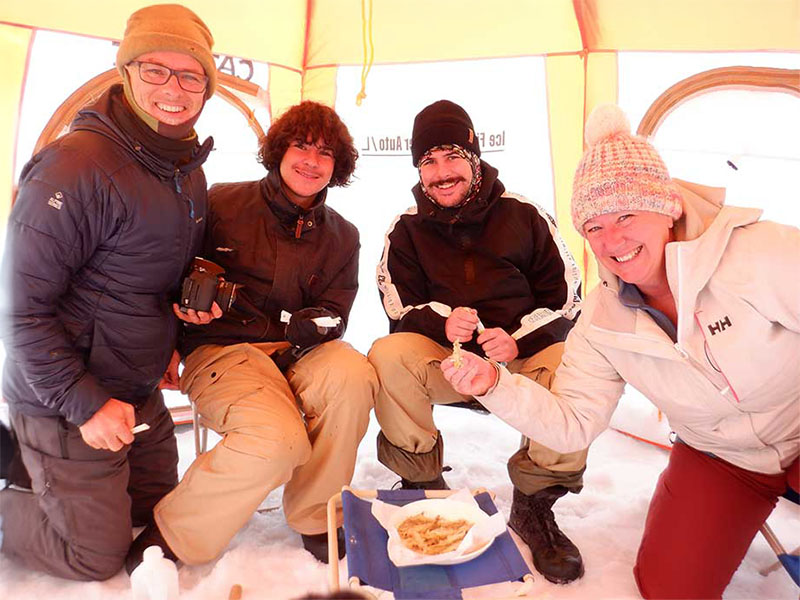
<point x="159" y="74"/>
<point x="105" y="224"/>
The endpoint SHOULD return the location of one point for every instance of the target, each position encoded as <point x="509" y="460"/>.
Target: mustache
<point x="446" y="181"/>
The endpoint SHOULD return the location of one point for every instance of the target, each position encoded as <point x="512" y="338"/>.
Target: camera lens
<point x="226" y="294"/>
<point x="204" y="285"/>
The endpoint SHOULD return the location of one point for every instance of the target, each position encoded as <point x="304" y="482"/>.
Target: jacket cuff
<point x="535" y="341"/>
<point x="83" y="400"/>
<point x="497" y="369"/>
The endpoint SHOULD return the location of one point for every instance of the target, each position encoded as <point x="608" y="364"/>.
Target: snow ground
<point x="605" y="521"/>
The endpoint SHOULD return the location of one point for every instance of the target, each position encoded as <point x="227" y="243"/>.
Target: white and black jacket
<point x="498" y="254"/>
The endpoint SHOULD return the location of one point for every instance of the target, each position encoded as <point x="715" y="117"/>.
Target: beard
<point x="434" y="189"/>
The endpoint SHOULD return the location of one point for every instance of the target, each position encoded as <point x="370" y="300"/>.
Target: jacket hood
<point x="96" y="117"/>
<point x="702" y="236"/>
<point x="473" y="212"/>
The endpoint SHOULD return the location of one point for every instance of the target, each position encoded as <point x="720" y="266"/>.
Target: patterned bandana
<point x="474" y="162"/>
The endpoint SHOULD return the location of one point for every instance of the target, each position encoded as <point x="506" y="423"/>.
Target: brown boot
<point x="554" y="555"/>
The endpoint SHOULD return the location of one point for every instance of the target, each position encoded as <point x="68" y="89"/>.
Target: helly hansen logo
<point x="720" y="325"/>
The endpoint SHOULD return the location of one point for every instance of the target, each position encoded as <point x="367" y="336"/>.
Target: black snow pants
<point x="77" y="522"/>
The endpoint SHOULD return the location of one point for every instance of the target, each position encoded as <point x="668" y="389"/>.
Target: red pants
<point x="702" y="518"/>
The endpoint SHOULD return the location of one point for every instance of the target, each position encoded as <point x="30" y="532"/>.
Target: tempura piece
<point x="432" y="535"/>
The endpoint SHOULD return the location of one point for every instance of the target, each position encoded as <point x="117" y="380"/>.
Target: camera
<point x="204" y="285"/>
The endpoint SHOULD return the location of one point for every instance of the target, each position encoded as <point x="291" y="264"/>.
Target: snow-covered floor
<point x="605" y="521"/>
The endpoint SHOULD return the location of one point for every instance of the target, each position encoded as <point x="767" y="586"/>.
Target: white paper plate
<point x="448" y="509"/>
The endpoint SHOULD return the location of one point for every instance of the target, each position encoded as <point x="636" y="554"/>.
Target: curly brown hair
<point x="317" y="121"/>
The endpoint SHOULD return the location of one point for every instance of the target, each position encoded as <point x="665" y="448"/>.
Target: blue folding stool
<point x="368" y="562"/>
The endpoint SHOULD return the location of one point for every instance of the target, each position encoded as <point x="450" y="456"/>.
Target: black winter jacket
<point x="99" y="238"/>
<point x="498" y="254"/>
<point x="286" y="257"/>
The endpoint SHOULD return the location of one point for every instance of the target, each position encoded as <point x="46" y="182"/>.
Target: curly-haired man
<point x="291" y="401"/>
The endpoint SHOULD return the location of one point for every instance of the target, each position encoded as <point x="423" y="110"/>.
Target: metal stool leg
<point x="786" y="559"/>
<point x="200" y="432"/>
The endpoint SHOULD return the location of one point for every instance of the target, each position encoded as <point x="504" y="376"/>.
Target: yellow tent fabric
<point x="311" y="33"/>
<point x="14" y="50"/>
<point x="304" y="41"/>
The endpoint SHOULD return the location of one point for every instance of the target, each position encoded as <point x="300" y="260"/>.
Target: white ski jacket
<point x="729" y="386"/>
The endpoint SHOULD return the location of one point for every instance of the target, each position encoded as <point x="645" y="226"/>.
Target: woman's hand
<point x="474" y="377"/>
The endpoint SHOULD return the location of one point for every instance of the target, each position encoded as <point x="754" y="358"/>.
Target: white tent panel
<point x="507" y="102"/>
<point x="59" y="63"/>
<point x="757" y="130"/>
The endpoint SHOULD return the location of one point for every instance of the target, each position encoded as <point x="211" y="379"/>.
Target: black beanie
<point x="442" y="122"/>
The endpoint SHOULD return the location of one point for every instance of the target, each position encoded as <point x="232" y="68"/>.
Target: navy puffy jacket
<point x="98" y="240"/>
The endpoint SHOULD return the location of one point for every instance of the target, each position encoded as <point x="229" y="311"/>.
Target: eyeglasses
<point x="159" y="75"/>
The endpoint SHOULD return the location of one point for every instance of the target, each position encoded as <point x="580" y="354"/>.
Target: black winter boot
<point x="12" y="468"/>
<point x="554" y="555"/>
<point x="7" y="449"/>
<point x="317" y="544"/>
<point x="150" y="536"/>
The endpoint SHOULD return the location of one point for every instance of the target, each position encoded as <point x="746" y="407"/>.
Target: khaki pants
<point x="407" y="365"/>
<point x="302" y="430"/>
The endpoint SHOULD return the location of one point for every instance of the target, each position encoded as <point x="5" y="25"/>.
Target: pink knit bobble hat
<point x="619" y="172"/>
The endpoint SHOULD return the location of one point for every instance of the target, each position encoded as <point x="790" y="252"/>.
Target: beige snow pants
<point x="407" y="365"/>
<point x="301" y="429"/>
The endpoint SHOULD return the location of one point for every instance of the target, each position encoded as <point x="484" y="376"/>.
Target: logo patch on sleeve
<point x="56" y="200"/>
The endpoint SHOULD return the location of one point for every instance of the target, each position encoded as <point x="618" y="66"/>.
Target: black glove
<point x="303" y="334"/>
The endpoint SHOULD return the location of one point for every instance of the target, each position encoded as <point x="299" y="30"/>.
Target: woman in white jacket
<point x="699" y="309"/>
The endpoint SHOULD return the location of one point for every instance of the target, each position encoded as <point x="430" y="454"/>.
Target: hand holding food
<point x="461" y="324"/>
<point x="475" y="377"/>
<point x="498" y="345"/>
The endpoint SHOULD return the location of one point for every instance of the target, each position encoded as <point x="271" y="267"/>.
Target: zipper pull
<point x="177" y="179"/>
<point x="681" y="351"/>
<point x="299" y="229"/>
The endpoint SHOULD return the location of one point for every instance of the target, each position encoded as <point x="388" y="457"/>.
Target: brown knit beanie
<point x="169" y="27"/>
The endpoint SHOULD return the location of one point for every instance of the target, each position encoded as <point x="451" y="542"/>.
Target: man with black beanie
<point x="475" y="265"/>
<point x="104" y="226"/>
